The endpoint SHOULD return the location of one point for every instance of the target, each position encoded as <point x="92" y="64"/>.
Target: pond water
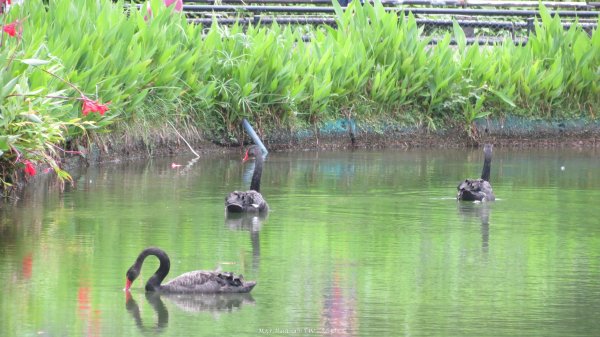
<point x="362" y="243"/>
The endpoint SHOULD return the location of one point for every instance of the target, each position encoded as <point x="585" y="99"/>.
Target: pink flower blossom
<point x="178" y="4"/>
<point x="178" y="7"/>
<point x="148" y="12"/>
<point x="3" y="2"/>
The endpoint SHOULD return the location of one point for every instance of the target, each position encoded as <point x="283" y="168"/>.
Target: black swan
<point x="252" y="200"/>
<point x="479" y="189"/>
<point x="199" y="281"/>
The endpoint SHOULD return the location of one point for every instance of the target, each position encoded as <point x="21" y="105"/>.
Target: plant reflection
<point x="89" y="316"/>
<point x="339" y="312"/>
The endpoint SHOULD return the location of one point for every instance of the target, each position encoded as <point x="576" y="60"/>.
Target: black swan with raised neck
<point x="479" y="189"/>
<point x="251" y="200"/>
<point x="199" y="281"/>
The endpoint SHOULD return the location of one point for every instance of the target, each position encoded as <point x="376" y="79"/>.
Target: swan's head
<point x="131" y="275"/>
<point x="252" y="152"/>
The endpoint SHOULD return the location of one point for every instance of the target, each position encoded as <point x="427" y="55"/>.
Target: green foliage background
<point x="375" y="65"/>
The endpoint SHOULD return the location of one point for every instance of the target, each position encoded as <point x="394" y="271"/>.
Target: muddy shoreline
<point x="339" y="136"/>
<point x="124" y="146"/>
<point x="121" y="147"/>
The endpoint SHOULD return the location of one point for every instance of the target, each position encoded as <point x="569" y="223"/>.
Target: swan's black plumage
<point x="251" y="200"/>
<point x="199" y="281"/>
<point x="479" y="189"/>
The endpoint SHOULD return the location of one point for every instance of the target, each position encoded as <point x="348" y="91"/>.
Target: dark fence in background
<point x="484" y="22"/>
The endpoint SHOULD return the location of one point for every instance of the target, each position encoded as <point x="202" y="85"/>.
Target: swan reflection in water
<point x="245" y="221"/>
<point x="190" y="303"/>
<point x="252" y="223"/>
<point x="482" y="212"/>
<point x="157" y="305"/>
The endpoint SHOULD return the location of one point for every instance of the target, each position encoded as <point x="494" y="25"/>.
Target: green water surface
<point x="356" y="244"/>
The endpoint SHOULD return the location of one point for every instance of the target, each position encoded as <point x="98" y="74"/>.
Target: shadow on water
<point x="251" y="223"/>
<point x="482" y="212"/>
<point x="190" y="303"/>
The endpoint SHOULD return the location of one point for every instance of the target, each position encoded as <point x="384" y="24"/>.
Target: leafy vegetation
<point x="374" y="65"/>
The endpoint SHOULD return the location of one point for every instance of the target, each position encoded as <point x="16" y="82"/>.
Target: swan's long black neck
<point x="258" y="165"/>
<point x="487" y="162"/>
<point x="154" y="282"/>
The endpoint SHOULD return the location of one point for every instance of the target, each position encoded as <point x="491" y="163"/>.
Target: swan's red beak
<point x="127" y="296"/>
<point x="246" y="157"/>
<point x="127" y="285"/>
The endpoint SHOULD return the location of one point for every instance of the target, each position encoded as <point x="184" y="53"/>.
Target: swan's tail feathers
<point x="234" y="202"/>
<point x="475" y="190"/>
<point x="236" y="284"/>
<point x="249" y="201"/>
<point x="465" y="191"/>
<point x="466" y="195"/>
<point x="487" y="162"/>
<point x="235" y="208"/>
<point x="248" y="286"/>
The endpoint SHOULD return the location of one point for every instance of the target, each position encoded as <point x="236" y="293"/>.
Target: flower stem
<point x="62" y="79"/>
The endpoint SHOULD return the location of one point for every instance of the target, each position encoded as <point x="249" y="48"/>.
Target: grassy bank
<point x="160" y="69"/>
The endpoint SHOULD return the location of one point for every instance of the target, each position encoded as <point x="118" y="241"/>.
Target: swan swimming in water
<point x="199" y="281"/>
<point x="251" y="200"/>
<point x="479" y="189"/>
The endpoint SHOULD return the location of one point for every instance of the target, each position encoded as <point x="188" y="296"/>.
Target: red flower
<point x="93" y="106"/>
<point x="13" y="29"/>
<point x="29" y="168"/>
<point x="10" y="29"/>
